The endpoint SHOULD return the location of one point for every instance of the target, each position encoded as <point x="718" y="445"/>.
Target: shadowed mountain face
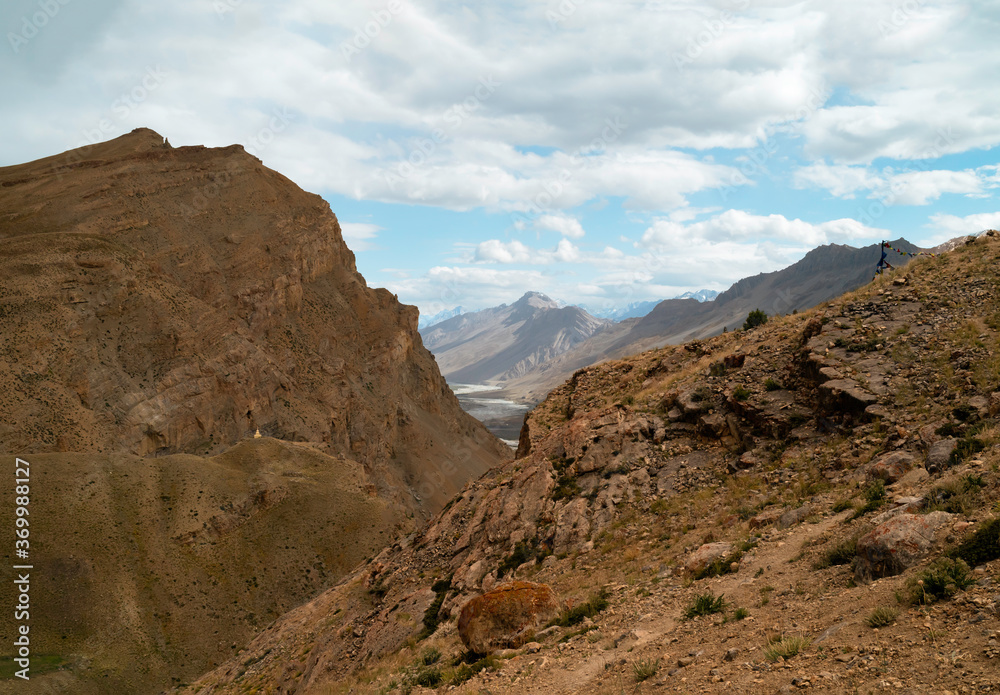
<point x="824" y="273"/>
<point x="506" y="342"/>
<point x="157" y="306"/>
<point x="156" y="300"/>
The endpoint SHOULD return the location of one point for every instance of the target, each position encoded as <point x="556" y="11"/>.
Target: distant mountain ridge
<point x="508" y="341"/>
<point x="822" y="274"/>
<point x="639" y="309"/>
<point x="434" y="319"/>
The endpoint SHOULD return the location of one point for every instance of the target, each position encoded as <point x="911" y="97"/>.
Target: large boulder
<point x="939" y="455"/>
<point x="896" y="544"/>
<point x="699" y="562"/>
<point x="891" y="467"/>
<point x="506" y="617"/>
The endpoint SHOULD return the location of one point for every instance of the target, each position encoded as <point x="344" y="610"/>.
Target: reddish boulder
<point x="704" y="557"/>
<point x="506" y="617"/>
<point x="898" y="543"/>
<point x="891" y="467"/>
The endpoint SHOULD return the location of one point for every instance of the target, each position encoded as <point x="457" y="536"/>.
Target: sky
<point x="601" y="152"/>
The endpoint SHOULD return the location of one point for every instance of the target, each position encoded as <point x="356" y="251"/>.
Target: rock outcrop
<point x="178" y="299"/>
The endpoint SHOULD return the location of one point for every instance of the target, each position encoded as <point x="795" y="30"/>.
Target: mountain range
<point x="508" y="341"/>
<point x="823" y="274"/>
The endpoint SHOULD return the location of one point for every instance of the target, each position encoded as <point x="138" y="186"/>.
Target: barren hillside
<point x="811" y="504"/>
<point x="158" y="305"/>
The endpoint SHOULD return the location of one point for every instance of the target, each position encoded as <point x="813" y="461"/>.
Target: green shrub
<point x="705" y="604"/>
<point x="431" y="617"/>
<point x="429" y="678"/>
<point x="981" y="547"/>
<point x="875" y="498"/>
<point x="842" y="505"/>
<point x="841" y="554"/>
<point x="785" y="648"/>
<point x="644" y="669"/>
<point x="966" y="447"/>
<point x="740" y="613"/>
<point x="882" y="616"/>
<point x="772" y="385"/>
<point x="524" y="551"/>
<point x="942" y="580"/>
<point x="754" y="318"/>
<point x="430" y="656"/>
<point x="741" y="394"/>
<point x="469" y="664"/>
<point x="590" y="608"/>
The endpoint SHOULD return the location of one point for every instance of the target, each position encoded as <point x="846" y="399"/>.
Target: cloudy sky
<point x="600" y="151"/>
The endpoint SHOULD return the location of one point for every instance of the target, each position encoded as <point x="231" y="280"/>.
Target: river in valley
<point x="501" y="416"/>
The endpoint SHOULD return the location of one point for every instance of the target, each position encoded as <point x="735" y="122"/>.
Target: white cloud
<point x="359" y="235"/>
<point x="943" y="227"/>
<point x="496" y="251"/>
<point x="569" y="227"/>
<point x="913" y="187"/>
<point x="738" y="225"/>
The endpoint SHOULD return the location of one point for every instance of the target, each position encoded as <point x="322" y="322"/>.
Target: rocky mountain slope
<point x="159" y="300"/>
<point x="158" y="305"/>
<point x="824" y="273"/>
<point x="811" y="504"/>
<point x="506" y="342"/>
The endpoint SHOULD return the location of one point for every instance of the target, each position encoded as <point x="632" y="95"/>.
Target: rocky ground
<point x="820" y="474"/>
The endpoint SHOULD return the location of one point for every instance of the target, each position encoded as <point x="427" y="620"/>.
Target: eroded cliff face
<point x="157" y="300"/>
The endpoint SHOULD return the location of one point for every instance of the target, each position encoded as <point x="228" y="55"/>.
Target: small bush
<point x="785" y="648"/>
<point x="429" y="678"/>
<point x="431" y="616"/>
<point x="955" y="498"/>
<point x="523" y="552"/>
<point x="644" y="669"/>
<point x="740" y="613"/>
<point x="966" y="447"/>
<point x="754" y="318"/>
<point x="430" y="656"/>
<point x="575" y="615"/>
<point x="882" y="616"/>
<point x="469" y="664"/>
<point x="740" y="393"/>
<point x="772" y="385"/>
<point x="981" y="547"/>
<point x="875" y="498"/>
<point x="841" y="554"/>
<point x="942" y="580"/>
<point x="705" y="604"/>
<point x="842" y="505"/>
